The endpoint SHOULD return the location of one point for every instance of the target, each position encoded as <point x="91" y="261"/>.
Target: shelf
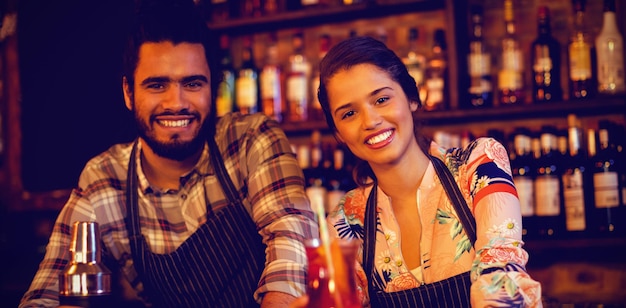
<point x="582" y="108"/>
<point x="308" y="17"/>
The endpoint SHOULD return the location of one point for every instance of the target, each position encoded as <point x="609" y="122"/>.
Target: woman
<point x="417" y="244"/>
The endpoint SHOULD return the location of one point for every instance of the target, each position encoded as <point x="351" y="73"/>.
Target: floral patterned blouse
<point x="497" y="261"/>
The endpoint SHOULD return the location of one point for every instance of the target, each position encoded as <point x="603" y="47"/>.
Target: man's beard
<point x="174" y="149"/>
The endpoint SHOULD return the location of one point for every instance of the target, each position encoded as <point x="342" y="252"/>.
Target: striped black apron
<point x="217" y="266"/>
<point x="451" y="292"/>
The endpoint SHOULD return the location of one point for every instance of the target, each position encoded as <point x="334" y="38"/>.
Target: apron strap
<point x="222" y="174"/>
<point x="371" y="217"/>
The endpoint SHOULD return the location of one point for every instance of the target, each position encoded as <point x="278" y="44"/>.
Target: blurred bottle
<point x="546" y="61"/>
<point x="251" y="8"/>
<point x="415" y="62"/>
<point x="580" y="73"/>
<point x="550" y="217"/>
<point x="222" y="10"/>
<point x="575" y="179"/>
<point x="610" y="53"/>
<point x="606" y="183"/>
<point x="316" y="111"/>
<point x="297" y="83"/>
<point x="247" y="82"/>
<point x="225" y="99"/>
<point x="436" y="78"/>
<point x="479" y="63"/>
<point x="523" y="178"/>
<point x="271" y="80"/>
<point x="511" y="73"/>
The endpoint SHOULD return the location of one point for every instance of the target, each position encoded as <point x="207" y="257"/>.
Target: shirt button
<point x="183" y="196"/>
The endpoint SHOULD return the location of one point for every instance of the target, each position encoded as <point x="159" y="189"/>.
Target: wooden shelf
<point x="322" y="15"/>
<point x="582" y="108"/>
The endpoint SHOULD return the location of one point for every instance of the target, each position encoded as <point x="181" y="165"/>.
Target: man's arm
<point x="276" y="300"/>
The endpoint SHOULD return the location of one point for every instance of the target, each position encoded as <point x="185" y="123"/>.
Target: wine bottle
<point x="479" y="63"/>
<point x="270" y="81"/>
<point x="436" y="78"/>
<point x="316" y="112"/>
<point x="510" y="75"/>
<point x="610" y="53"/>
<point x="247" y="82"/>
<point x="523" y="178"/>
<point x="606" y="184"/>
<point x="580" y="72"/>
<point x="415" y="62"/>
<point x="297" y="81"/>
<point x="575" y="180"/>
<point x="546" y="61"/>
<point x="225" y="99"/>
<point x="550" y="219"/>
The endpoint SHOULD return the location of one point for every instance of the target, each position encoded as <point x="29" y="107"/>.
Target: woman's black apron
<point x="451" y="292"/>
<point x="217" y="266"/>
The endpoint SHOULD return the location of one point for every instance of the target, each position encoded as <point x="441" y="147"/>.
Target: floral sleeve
<point x="498" y="272"/>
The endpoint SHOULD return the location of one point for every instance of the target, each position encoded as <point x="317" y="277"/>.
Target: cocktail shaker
<point x="85" y="282"/>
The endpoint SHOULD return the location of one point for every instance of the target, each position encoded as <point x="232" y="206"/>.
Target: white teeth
<point x="178" y="123"/>
<point x="379" y="138"/>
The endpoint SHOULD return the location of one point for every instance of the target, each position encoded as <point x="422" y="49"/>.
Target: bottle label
<point x="543" y="62"/>
<point x="574" y="201"/>
<point x="246" y="91"/>
<point x="435" y="91"/>
<point x="479" y="64"/>
<point x="270" y="83"/>
<point x="547" y="196"/>
<point x="579" y="61"/>
<point x="606" y="192"/>
<point x="610" y="65"/>
<point x="524" y="187"/>
<point x="509" y="79"/>
<point x="512" y="59"/>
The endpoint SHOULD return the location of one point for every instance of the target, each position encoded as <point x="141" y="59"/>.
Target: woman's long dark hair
<point x="366" y="50"/>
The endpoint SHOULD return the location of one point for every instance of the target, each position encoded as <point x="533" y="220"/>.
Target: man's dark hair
<point x="176" y="21"/>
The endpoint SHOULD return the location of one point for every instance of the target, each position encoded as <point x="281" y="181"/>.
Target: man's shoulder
<point x="238" y="123"/>
<point x="109" y="164"/>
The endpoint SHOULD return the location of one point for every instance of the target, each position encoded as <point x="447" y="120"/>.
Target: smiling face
<point x="372" y="114"/>
<point x="171" y="97"/>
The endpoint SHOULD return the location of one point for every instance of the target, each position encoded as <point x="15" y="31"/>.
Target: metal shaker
<point x="85" y="282"/>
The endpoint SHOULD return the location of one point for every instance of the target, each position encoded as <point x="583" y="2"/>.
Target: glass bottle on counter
<point x="247" y="82"/>
<point x="436" y="78"/>
<point x="415" y="62"/>
<point x="479" y="63"/>
<point x="580" y="72"/>
<point x="297" y="84"/>
<point x="546" y="61"/>
<point x="225" y="99"/>
<point x="550" y="218"/>
<point x="606" y="217"/>
<point x="511" y="74"/>
<point x="610" y="53"/>
<point x="270" y="81"/>
<point x="576" y="186"/>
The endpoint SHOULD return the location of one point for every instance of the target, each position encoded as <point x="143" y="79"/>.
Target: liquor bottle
<point x="479" y="63"/>
<point x="575" y="180"/>
<point x="523" y="178"/>
<point x="610" y="53"/>
<point x="247" y="82"/>
<point x="415" y="62"/>
<point x="222" y="10"/>
<point x="606" y="218"/>
<point x="297" y="84"/>
<point x="550" y="218"/>
<point x="436" y="78"/>
<point x="270" y="81"/>
<point x="580" y="72"/>
<point x="316" y="111"/>
<point x="511" y="74"/>
<point x="546" y="61"/>
<point x="225" y="99"/>
<point x="251" y="8"/>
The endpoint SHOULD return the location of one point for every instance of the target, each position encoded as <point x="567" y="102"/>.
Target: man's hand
<point x="276" y="300"/>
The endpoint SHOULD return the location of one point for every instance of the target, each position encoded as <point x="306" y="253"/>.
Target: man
<point x="177" y="235"/>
